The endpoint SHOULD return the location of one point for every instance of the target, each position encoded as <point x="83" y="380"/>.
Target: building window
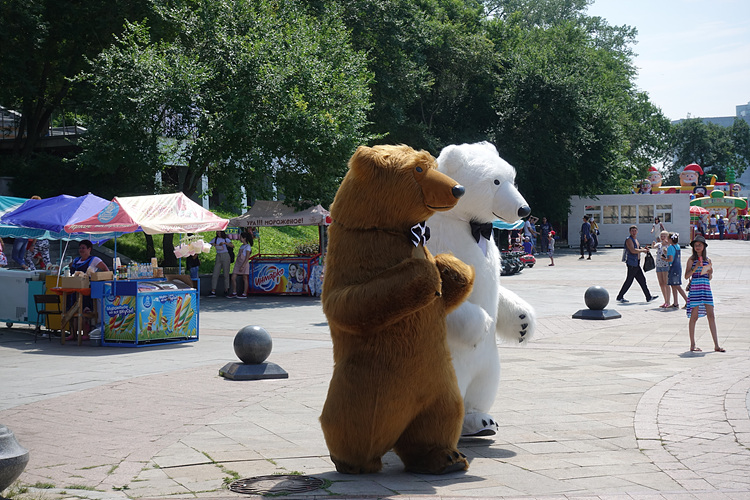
<point x="611" y="214"/>
<point x="594" y="212"/>
<point x="645" y="214"/>
<point x="627" y="214"/>
<point x="664" y="213"/>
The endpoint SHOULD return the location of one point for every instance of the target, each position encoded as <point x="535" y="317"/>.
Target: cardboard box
<point x="102" y="276"/>
<point x="74" y="282"/>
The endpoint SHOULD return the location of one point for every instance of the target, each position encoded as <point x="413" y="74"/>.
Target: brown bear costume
<point x="386" y="299"/>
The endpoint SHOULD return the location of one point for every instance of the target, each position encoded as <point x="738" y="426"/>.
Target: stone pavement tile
<point x="154" y="482"/>
<point x="179" y="454"/>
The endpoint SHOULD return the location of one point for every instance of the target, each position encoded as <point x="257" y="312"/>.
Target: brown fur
<point x="393" y="385"/>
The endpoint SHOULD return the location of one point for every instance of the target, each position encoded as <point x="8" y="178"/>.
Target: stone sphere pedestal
<point x="252" y="345"/>
<point x="596" y="299"/>
<point x="13" y="458"/>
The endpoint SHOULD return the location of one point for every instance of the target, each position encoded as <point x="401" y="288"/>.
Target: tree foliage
<point x="44" y="44"/>
<point x="715" y="148"/>
<point x="568" y="115"/>
<point x="252" y="93"/>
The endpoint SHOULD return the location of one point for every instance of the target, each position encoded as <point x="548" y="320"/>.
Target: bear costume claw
<point x="478" y="425"/>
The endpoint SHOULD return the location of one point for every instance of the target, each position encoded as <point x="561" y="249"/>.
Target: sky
<point x="693" y="55"/>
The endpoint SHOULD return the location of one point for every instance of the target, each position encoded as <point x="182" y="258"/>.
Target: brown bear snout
<point x="440" y="192"/>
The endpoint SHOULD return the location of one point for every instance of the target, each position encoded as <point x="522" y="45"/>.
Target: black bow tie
<point x="419" y="234"/>
<point x="481" y="229"/>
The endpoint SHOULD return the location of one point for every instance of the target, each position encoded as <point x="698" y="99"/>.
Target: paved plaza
<point x="617" y="409"/>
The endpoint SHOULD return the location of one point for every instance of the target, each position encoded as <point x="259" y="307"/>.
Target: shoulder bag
<point x="231" y="253"/>
<point x="648" y="262"/>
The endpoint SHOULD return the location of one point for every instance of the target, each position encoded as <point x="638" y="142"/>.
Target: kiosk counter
<point x="148" y="311"/>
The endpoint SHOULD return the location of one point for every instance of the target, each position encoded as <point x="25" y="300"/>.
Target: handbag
<point x="687" y="288"/>
<point x="231" y="253"/>
<point x="648" y="262"/>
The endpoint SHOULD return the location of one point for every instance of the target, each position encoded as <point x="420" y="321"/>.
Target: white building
<point x="615" y="213"/>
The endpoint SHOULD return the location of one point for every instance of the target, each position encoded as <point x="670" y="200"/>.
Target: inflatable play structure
<point x="708" y="201"/>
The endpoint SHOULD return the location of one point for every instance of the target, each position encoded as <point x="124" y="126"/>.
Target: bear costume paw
<point x="478" y="425"/>
<point x="516" y="319"/>
<point x="457" y="280"/>
<point x="442" y="461"/>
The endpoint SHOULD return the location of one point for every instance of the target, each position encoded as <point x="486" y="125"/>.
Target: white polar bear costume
<point x="490" y="309"/>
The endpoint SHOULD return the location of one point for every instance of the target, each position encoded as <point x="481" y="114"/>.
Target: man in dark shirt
<point x="585" y="236"/>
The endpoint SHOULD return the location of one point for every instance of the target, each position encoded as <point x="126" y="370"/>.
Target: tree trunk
<point x="150" y="251"/>
<point x="168" y="245"/>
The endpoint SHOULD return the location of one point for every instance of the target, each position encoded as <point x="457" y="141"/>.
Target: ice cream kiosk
<point x="144" y="308"/>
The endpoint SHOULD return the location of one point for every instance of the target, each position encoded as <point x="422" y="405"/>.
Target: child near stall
<point x="551" y="247"/>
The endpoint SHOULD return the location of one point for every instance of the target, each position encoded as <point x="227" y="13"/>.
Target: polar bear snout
<point x="524" y="211"/>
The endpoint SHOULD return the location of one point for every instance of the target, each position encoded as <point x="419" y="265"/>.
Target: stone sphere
<point x="596" y="298"/>
<point x="252" y="344"/>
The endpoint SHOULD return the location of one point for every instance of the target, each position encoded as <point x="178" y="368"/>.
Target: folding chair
<point x="43" y="305"/>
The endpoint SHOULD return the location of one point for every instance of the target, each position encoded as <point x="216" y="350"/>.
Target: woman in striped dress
<point x="700" y="299"/>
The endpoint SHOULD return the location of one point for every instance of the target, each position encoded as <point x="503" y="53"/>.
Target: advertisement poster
<point x="163" y="315"/>
<point x="149" y="316"/>
<point x="279" y="277"/>
<point x="119" y="317"/>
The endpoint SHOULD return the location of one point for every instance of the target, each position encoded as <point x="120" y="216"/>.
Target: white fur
<point x="490" y="309"/>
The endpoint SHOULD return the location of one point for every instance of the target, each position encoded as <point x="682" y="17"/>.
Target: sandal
<point x="719" y="349"/>
<point x="664" y="306"/>
<point x="676" y="306"/>
<point x="696" y="349"/>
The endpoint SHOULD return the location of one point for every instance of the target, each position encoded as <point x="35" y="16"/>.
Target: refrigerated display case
<point x="17" y="290"/>
<point x="136" y="313"/>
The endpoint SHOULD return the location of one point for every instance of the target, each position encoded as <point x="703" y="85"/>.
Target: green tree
<point x="258" y="94"/>
<point x="434" y="69"/>
<point x="714" y="147"/>
<point x="44" y="44"/>
<point x="569" y="116"/>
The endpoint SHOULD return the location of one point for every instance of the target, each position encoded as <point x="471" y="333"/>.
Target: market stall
<point x="146" y="310"/>
<point x="285" y="274"/>
<point x="718" y="203"/>
<point x="38" y="219"/>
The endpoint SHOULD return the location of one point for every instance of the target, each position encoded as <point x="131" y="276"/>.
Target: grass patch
<point x="81" y="487"/>
<point x="273" y="240"/>
<point x="43" y="486"/>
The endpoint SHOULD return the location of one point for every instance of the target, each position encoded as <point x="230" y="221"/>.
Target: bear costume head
<point x="392" y="187"/>
<point x="386" y="299"/>
<point x="489" y="178"/>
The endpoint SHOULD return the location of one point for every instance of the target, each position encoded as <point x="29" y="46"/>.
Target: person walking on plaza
<point x="662" y="265"/>
<point x="222" y="245"/>
<point x="721" y="226"/>
<point x="633" y="252"/>
<point x="585" y="236"/>
<point x="674" y="276"/>
<point x="699" y="269"/>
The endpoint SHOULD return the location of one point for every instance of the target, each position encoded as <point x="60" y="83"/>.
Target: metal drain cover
<point x="276" y="485"/>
